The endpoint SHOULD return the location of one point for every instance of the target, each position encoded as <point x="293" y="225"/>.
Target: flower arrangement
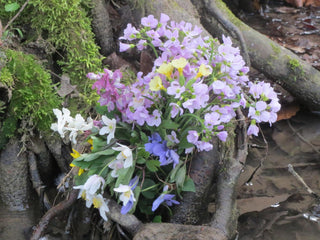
<point x="150" y="129"/>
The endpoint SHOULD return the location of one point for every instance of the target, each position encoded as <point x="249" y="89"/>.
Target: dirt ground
<point x="272" y="202"/>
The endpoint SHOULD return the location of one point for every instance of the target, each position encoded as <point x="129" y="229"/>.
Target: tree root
<point x="226" y="215"/>
<point x="54" y="211"/>
<point x="193" y="208"/>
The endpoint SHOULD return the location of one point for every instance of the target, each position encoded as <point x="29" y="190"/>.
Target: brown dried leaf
<point x="288" y="111"/>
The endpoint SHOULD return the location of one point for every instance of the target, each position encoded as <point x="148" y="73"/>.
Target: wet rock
<point x="13" y="176"/>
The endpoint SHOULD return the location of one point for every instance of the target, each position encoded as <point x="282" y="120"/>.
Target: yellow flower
<point x="91" y="143"/>
<point x="75" y="154"/>
<point x="156" y="84"/>
<point x="204" y="70"/>
<point x="179" y="64"/>
<point x="166" y="69"/>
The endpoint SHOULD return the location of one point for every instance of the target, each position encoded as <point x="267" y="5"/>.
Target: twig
<point x="297" y="176"/>
<point x="18" y="13"/>
<point x="302" y="138"/>
<point x="59" y="208"/>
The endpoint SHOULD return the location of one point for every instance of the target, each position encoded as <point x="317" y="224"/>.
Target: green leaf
<point x="11" y="7"/>
<point x="153" y="165"/>
<point x="169" y="124"/>
<point x="144" y="137"/>
<point x="92" y="156"/>
<point x="136" y="193"/>
<point x="174" y="172"/>
<point x="190" y="83"/>
<point x="125" y="175"/>
<point x="181" y="175"/>
<point x="149" y="194"/>
<point x="141" y="161"/>
<point x="157" y="219"/>
<point x="188" y="185"/>
<point x="97" y="144"/>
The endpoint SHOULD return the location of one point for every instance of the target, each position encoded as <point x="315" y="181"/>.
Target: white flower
<point x="125" y="154"/>
<point x="63" y="118"/>
<point x="116" y="165"/>
<point x="92" y="185"/>
<point x="126" y="193"/>
<point x="67" y="123"/>
<point x="78" y="124"/>
<point x="100" y="203"/>
<point x="110" y="128"/>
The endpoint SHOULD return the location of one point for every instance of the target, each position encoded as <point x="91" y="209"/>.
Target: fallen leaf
<point x="286" y="10"/>
<point x="65" y="87"/>
<point x="288" y="111"/>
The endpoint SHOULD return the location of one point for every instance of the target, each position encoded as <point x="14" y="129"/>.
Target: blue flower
<point x="159" y="148"/>
<point x="166" y="198"/>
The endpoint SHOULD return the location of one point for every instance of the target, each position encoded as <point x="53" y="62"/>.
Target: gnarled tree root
<point x="54" y="211"/>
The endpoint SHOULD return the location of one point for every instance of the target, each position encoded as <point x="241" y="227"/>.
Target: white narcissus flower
<point x="125" y="154"/>
<point x="110" y="128"/>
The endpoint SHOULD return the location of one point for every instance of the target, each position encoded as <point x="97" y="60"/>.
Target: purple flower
<point x="124" y="47"/>
<point x="175" y="89"/>
<point x="175" y="110"/>
<point x="192" y="136"/>
<point x="149" y="21"/>
<point x="212" y="119"/>
<point x="253" y="129"/>
<point x="164" y="18"/>
<point x="223" y="135"/>
<point x="159" y="148"/>
<point x="129" y="33"/>
<point x="204" y="146"/>
<point x="261" y="105"/>
<point x="155" y="119"/>
<point x="173" y="137"/>
<point x="164" y="197"/>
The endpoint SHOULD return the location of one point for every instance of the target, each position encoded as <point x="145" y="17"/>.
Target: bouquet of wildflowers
<point x="149" y="130"/>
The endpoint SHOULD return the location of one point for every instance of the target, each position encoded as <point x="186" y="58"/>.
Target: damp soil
<point x="274" y="204"/>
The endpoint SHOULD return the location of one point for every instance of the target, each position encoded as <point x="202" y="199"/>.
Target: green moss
<point x="296" y="68"/>
<point x="231" y="17"/>
<point x="68" y="28"/>
<point x="33" y="96"/>
<point x="275" y="49"/>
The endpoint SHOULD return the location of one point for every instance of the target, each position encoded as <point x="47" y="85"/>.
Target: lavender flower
<point x="164" y="198"/>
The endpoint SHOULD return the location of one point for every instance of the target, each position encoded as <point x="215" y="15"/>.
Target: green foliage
<point x="8" y="129"/>
<point x="68" y="28"/>
<point x="33" y="97"/>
